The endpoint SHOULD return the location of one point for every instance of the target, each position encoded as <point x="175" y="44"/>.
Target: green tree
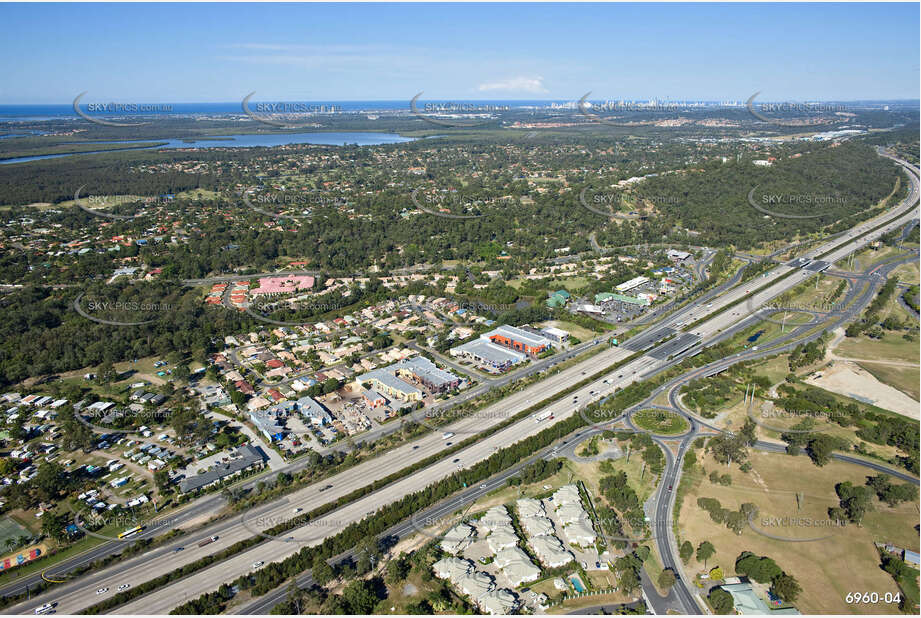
<point x="50" y="480"/>
<point x="721" y="601"/>
<point x="397" y="570"/>
<point x="54" y="524"/>
<point x="321" y="572"/>
<point x="759" y="568"/>
<point x="7" y="467"/>
<point x="161" y="479"/>
<point x="705" y="551"/>
<point x="666" y="579"/>
<point x="628" y="581"/>
<point x="360" y="596"/>
<point x="106" y="373"/>
<point x="736" y="521"/>
<point x="820" y="449"/>
<point x="686" y="551"/>
<point x="785" y="587"/>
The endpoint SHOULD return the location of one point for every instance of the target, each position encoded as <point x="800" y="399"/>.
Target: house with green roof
<point x="558" y="298"/>
<point x="748" y="603"/>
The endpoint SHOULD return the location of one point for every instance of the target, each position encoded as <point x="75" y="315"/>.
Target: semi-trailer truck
<point x="543" y="416"/>
<point x="208" y="541"/>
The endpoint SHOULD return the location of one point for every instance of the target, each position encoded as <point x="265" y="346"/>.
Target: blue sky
<point x="321" y="52"/>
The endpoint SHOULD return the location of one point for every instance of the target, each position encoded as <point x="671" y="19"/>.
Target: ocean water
<point x="34" y="113"/>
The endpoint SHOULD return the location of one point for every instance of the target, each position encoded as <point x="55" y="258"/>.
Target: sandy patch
<point x="851" y="380"/>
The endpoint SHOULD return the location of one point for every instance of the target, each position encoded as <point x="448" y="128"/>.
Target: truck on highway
<point x="208" y="541"/>
<point x="543" y="416"/>
<point x="447" y="434"/>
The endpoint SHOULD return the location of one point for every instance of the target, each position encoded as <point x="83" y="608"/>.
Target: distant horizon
<point x="516" y="100"/>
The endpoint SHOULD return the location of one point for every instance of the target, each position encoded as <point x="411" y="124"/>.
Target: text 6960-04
<point x="873" y="597"/>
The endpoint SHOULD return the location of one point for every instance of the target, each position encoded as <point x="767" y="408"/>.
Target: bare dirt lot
<point x="849" y="379"/>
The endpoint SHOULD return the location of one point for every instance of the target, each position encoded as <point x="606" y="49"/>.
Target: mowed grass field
<point x="828" y="569"/>
<point x="892" y="347"/>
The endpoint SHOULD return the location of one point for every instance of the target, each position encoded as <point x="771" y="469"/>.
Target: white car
<point x="258" y="564"/>
<point x="102" y="591"/>
<point x="124" y="586"/>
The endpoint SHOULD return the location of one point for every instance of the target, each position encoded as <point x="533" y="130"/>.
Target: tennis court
<point x="9" y="529"/>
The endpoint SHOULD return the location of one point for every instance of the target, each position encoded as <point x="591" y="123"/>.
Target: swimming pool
<point x="577" y="584"/>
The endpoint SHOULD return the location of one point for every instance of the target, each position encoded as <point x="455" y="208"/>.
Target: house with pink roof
<point x="270" y="286"/>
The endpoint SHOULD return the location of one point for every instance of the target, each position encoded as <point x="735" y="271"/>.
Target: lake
<point x="247" y="141"/>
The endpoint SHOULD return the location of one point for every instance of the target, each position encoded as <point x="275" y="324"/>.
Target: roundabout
<point x="659" y="422"/>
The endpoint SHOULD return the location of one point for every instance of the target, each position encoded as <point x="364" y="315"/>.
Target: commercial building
<point x="244" y="458"/>
<point x="268" y="424"/>
<point x="385" y="381"/>
<point x="519" y="340"/>
<point x="610" y="297"/>
<point x="423" y="371"/>
<point x="589" y="309"/>
<point x="487" y="355"/>
<point x="373" y="398"/>
<point x="312" y="411"/>
<point x="555" y="334"/>
<point x="636" y="282"/>
<point x="397" y="380"/>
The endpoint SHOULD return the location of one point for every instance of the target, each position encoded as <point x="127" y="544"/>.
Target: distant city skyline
<point x="218" y="53"/>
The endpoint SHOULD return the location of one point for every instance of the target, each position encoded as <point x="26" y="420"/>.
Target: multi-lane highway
<point x="81" y="592"/>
